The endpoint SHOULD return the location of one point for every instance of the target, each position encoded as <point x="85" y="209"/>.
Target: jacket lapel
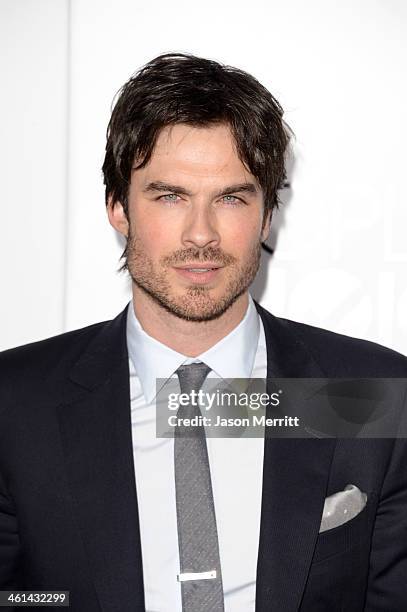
<point x="95" y="430"/>
<point x="295" y="478"/>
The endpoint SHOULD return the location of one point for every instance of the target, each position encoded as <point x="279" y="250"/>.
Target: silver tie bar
<point x="196" y="576"/>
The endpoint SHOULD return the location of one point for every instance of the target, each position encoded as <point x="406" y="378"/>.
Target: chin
<point x="192" y="308"/>
<point x="196" y="303"/>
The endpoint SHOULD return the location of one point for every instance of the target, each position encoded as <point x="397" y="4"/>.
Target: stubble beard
<point x="195" y="303"/>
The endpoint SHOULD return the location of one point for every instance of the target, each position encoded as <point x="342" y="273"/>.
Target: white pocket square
<point x="341" y="507"/>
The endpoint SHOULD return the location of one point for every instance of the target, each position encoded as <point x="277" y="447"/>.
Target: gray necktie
<point x="201" y="578"/>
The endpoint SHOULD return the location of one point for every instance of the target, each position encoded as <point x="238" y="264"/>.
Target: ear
<point x="266" y="226"/>
<point x="117" y="216"/>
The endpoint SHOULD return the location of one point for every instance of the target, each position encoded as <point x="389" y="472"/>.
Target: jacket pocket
<point x="344" y="537"/>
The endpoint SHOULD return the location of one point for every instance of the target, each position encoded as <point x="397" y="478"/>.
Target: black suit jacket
<point x="68" y="501"/>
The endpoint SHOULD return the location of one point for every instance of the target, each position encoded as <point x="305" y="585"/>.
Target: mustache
<point x="212" y="254"/>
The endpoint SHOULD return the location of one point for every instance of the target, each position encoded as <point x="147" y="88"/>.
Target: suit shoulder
<point x="38" y="359"/>
<point x="345" y="355"/>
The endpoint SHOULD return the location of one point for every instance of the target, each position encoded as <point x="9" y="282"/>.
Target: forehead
<point x="196" y="153"/>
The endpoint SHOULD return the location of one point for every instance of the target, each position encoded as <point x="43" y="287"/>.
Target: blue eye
<point x="231" y="199"/>
<point x="169" y="197"/>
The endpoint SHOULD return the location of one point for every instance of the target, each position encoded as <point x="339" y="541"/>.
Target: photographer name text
<point x="253" y="421"/>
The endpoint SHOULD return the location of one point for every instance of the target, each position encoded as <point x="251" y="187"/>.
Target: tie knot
<point x="192" y="376"/>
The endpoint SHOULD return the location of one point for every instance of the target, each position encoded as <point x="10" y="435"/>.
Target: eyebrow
<point x="159" y="186"/>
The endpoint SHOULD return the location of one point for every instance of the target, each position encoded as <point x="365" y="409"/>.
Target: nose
<point x="200" y="228"/>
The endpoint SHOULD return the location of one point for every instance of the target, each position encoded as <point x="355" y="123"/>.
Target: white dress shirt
<point x="236" y="466"/>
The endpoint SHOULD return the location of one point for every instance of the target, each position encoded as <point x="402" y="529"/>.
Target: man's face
<point x="194" y="225"/>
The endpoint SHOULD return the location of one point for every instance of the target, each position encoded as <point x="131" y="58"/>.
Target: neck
<point x="190" y="338"/>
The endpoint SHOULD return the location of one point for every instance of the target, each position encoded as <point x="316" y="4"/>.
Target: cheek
<point x="240" y="237"/>
<point x="154" y="234"/>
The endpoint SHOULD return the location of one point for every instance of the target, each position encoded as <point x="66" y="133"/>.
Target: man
<point x="91" y="500"/>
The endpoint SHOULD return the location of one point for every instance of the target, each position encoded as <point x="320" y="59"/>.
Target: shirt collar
<point x="232" y="357"/>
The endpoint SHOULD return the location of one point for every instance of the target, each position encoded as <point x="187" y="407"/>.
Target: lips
<point x="199" y="273"/>
<point x="198" y="267"/>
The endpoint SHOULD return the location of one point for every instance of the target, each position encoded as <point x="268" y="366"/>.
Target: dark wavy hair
<point x="179" y="88"/>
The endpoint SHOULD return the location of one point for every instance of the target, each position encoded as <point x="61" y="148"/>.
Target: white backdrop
<point x="337" y="67"/>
